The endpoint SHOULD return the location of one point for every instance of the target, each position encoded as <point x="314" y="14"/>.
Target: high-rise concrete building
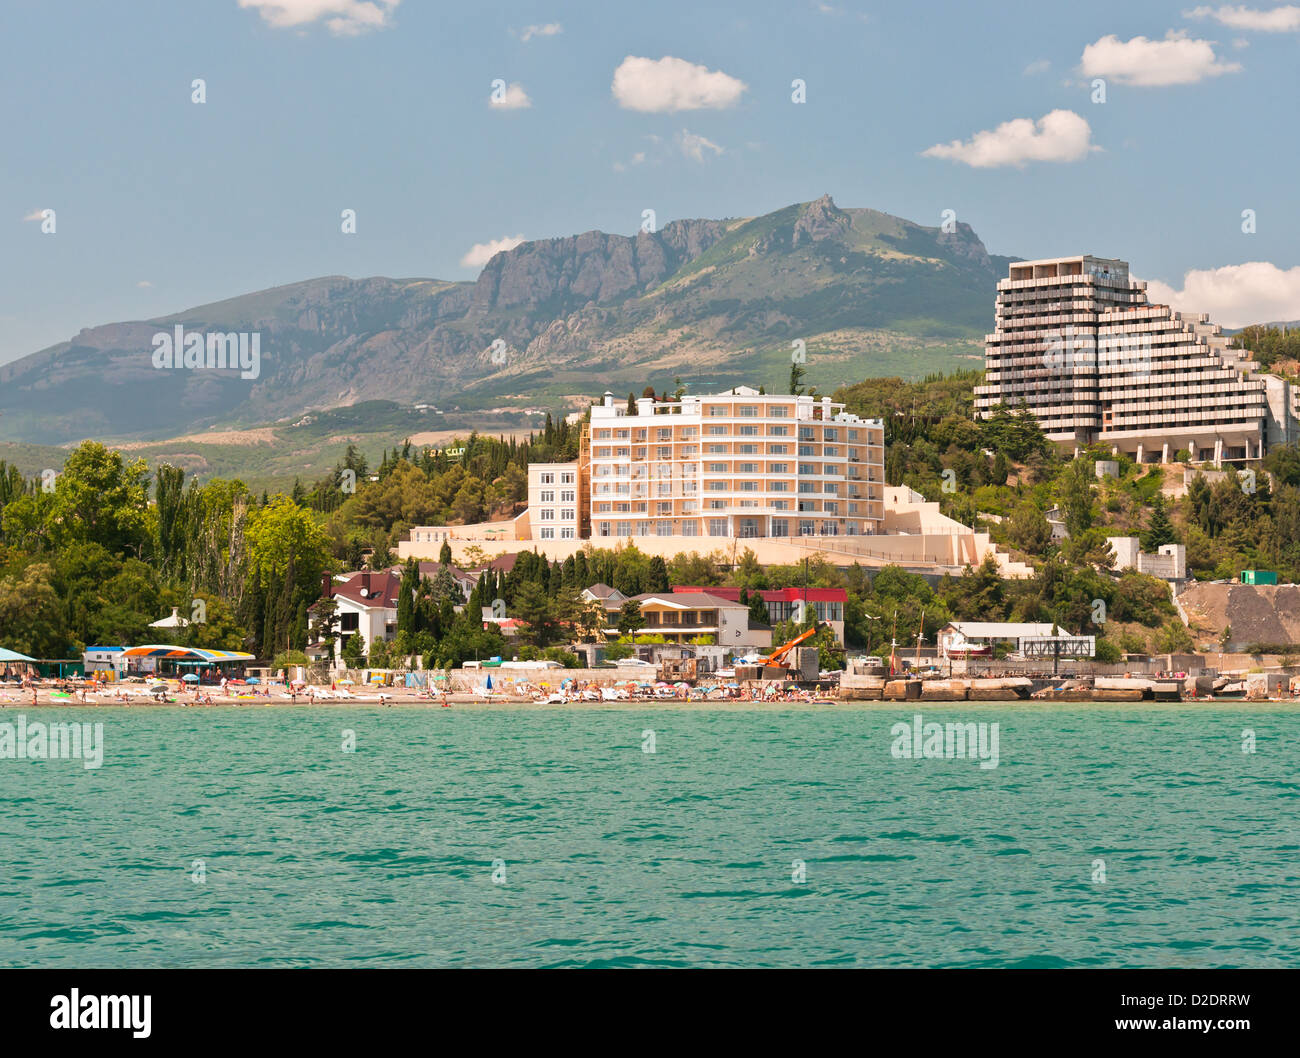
<point x="1078" y="344"/>
<point x="737" y="464"/>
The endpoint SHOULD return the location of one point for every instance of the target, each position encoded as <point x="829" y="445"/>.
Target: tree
<point x="1160" y="529"/>
<point x="100" y="498"/>
<point x="1029" y="529"/>
<point x="1076" y="496"/>
<point x="797" y="373"/>
<point x="629" y="618"/>
<point x="354" y="651"/>
<point x="31" y="621"/>
<point x="657" y="576"/>
<point x="534" y="607"/>
<point x="444" y="554"/>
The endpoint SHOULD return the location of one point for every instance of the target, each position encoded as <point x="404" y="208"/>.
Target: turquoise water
<point x="615" y="857"/>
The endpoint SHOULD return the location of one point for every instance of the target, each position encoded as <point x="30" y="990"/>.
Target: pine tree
<point x="1160" y="529"/>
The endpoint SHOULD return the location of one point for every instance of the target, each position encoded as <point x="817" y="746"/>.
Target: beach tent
<point x="13" y="655"/>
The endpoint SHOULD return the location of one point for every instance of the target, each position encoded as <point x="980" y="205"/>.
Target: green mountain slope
<point x="715" y="302"/>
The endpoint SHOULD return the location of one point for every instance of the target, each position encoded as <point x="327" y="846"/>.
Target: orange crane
<point x="778" y="656"/>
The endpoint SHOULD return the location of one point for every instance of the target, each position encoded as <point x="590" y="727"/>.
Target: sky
<point x="1161" y="133"/>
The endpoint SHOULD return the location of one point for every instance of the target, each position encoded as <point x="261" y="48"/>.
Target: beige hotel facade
<point x="740" y="464"/>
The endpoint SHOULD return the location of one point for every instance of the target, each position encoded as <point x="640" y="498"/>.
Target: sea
<point x="660" y="836"/>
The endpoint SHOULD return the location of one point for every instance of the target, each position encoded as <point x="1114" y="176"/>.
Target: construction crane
<point x="776" y="659"/>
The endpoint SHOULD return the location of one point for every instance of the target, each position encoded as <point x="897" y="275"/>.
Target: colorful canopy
<point x="157" y="650"/>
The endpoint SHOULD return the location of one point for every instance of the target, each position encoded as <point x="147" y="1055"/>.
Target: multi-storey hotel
<point x="739" y="464"/>
<point x="1077" y="343"/>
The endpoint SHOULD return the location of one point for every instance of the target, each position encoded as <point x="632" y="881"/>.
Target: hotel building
<point x="1077" y="342"/>
<point x="738" y="464"/>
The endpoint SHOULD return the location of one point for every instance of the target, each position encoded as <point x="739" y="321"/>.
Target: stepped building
<point x="1077" y="343"/>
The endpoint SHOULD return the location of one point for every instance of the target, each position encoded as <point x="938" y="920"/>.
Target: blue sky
<point x="317" y="106"/>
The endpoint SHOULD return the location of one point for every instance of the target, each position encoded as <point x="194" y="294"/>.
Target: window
<point x="663" y="508"/>
<point x="548" y="479"/>
<point x="717" y="527"/>
<point x="777" y="450"/>
<point x="808" y="450"/>
<point x="566" y="478"/>
<point x="717" y="409"/>
<point x="548" y="496"/>
<point x="566" y="515"/>
<point x="717" y="431"/>
<point x="690" y="528"/>
<point x="780" y="526"/>
<point x="831" y="451"/>
<point x="778" y="486"/>
<point x="778" y="431"/>
<point x="830" y="434"/>
<point x="716" y="450"/>
<point x="749" y="486"/>
<point x="665" y="452"/>
<point x="779" y="411"/>
<point x="807" y="468"/>
<point x="747" y="430"/>
<point x="747" y="450"/>
<point x="548" y="514"/>
<point x="717" y="468"/>
<point x="779" y="468"/>
<point x="567" y="496"/>
<point x="567" y="533"/>
<point x="747" y="468"/>
<point x="665" y="433"/>
<point x="548" y="533"/>
<point x="664" y="528"/>
<point x="749" y="411"/>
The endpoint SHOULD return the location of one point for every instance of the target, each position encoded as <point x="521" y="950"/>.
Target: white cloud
<point x="482" y="252"/>
<point x="669" y="84"/>
<point x="36" y="214"/>
<point x="1235" y="295"/>
<point x="143" y="284"/>
<point x="1061" y="136"/>
<point x="1036" y="67"/>
<point x="344" y="18"/>
<point x="1284" y="19"/>
<point x="1178" y="59"/>
<point x="550" y="29"/>
<point x="636" y="159"/>
<point x="512" y="97"/>
<point x="694" y="146"/>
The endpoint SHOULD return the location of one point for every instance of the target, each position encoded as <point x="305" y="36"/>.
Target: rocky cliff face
<point x="567" y="315"/>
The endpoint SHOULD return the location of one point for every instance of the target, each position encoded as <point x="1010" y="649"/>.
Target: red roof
<point x="774" y="594"/>
<point x="384" y="586"/>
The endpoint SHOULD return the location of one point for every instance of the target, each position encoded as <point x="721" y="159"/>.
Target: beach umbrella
<point x="252" y="679"/>
<point x="189" y="677"/>
<point x="344" y="681"/>
<point x="489" y="681"/>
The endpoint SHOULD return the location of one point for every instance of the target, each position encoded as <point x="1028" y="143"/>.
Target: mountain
<point x="716" y="302"/>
